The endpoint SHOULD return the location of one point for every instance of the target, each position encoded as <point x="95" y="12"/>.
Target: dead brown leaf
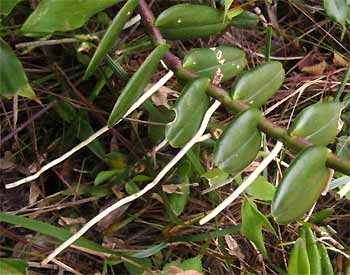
<point x="339" y="60"/>
<point x="316" y="69"/>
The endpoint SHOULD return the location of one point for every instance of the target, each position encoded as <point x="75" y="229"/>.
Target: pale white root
<point x="165" y="170"/>
<point x="94" y="136"/>
<point x="244" y="185"/>
<point x="344" y="190"/>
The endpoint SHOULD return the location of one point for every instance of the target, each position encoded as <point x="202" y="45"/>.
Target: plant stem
<point x="265" y="125"/>
<point x="343" y="84"/>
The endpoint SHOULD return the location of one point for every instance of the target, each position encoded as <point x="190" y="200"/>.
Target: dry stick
<point x="244" y="185"/>
<point x="81" y="145"/>
<point x="134" y="196"/>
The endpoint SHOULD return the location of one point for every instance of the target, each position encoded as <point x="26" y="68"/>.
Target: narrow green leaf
<point x="337" y="10"/>
<point x="318" y="123"/>
<point x="262" y="189"/>
<point x="187" y="122"/>
<point x="10" y="266"/>
<point x="50" y="230"/>
<point x="312" y="251"/>
<point x="259" y="84"/>
<point x="252" y="223"/>
<point x="189" y="21"/>
<point x="239" y="145"/>
<point x="62" y="15"/>
<point x="229" y="60"/>
<point x="6" y="6"/>
<point x="301" y="185"/>
<point x="228" y="4"/>
<point x="150" y="251"/>
<point x="327" y="268"/>
<point x="111" y="35"/>
<point x="137" y="84"/>
<point x="12" y="77"/>
<point x="298" y="263"/>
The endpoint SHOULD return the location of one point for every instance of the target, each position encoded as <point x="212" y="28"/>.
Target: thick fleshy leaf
<point x="252" y="222"/>
<point x="337" y="10"/>
<point x="10" y="266"/>
<point x="189" y="109"/>
<point x="327" y="268"/>
<point x="62" y="15"/>
<point x="6" y="6"/>
<point x="312" y="250"/>
<point x="229" y="61"/>
<point x="239" y="144"/>
<point x="111" y="36"/>
<point x="301" y="185"/>
<point x="262" y="189"/>
<point x="13" y="80"/>
<point x="189" y="21"/>
<point x="318" y="123"/>
<point x="137" y="84"/>
<point x="258" y="85"/>
<point x="246" y="19"/>
<point x="298" y="263"/>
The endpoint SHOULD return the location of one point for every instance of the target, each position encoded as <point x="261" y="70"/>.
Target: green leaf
<point x="50" y="230"/>
<point x="150" y="251"/>
<point x="65" y="110"/>
<point x="337" y="10"/>
<point x="13" y="266"/>
<point x="258" y="85"/>
<point x="111" y="35"/>
<point x="301" y="185"/>
<point x="229" y="60"/>
<point x="135" y="270"/>
<point x="318" y="123"/>
<point x="246" y="19"/>
<point x="62" y="15"/>
<point x="343" y="147"/>
<point x="177" y="202"/>
<point x="137" y="84"/>
<point x="6" y="6"/>
<point x="312" y="251"/>
<point x="103" y="176"/>
<point x="189" y="21"/>
<point x="252" y="223"/>
<point x="327" y="268"/>
<point x="262" y="189"/>
<point x="84" y="130"/>
<point x="215" y="177"/>
<point x="298" y="263"/>
<point x="194" y="263"/>
<point x="228" y="4"/>
<point x="160" y="114"/>
<point x="239" y="145"/>
<point x="187" y="122"/>
<point x="131" y="188"/>
<point x="321" y="215"/>
<point x="12" y="77"/>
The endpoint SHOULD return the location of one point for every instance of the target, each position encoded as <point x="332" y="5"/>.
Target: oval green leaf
<point x="301" y="185"/>
<point x="240" y="143"/>
<point x="137" y="84"/>
<point x="229" y="60"/>
<point x="13" y="80"/>
<point x="189" y="109"/>
<point x="62" y="15"/>
<point x="298" y="263"/>
<point x="257" y="86"/>
<point x="177" y="202"/>
<point x="318" y="123"/>
<point x="337" y="10"/>
<point x="111" y="36"/>
<point x="246" y="19"/>
<point x="189" y="21"/>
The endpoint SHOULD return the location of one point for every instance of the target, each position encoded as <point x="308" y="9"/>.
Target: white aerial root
<point x="344" y="190"/>
<point x="94" y="136"/>
<point x="165" y="170"/>
<point x="244" y="185"/>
